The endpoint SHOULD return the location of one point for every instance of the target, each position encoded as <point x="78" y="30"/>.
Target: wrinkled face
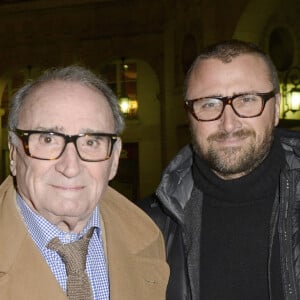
<point x="233" y="146"/>
<point x="64" y="191"/>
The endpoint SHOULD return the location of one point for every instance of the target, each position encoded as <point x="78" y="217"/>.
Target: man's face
<point x="64" y="191"/>
<point x="233" y="146"/>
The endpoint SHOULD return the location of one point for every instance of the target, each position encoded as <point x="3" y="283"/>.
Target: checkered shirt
<point x="43" y="231"/>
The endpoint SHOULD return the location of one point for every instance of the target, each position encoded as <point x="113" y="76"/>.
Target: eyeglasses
<point x="46" y="145"/>
<point x="246" y="105"/>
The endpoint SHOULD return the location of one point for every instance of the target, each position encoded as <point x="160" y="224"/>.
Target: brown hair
<point x="226" y="51"/>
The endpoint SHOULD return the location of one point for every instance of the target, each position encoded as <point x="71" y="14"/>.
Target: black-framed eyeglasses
<point x="245" y="105"/>
<point x="47" y="145"/>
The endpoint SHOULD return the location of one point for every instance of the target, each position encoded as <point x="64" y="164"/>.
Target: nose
<point x="229" y="121"/>
<point x="69" y="163"/>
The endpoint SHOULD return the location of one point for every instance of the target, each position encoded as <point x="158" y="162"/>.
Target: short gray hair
<point x="69" y="74"/>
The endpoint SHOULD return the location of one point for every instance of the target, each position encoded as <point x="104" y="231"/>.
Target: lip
<point x="67" y="188"/>
<point x="231" y="141"/>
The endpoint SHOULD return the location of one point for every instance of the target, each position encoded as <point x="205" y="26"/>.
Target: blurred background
<point x="143" y="49"/>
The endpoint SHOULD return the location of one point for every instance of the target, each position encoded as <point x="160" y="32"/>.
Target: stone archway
<point x="274" y="26"/>
<point x="252" y="22"/>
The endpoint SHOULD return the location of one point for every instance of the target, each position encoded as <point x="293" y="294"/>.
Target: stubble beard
<point x="234" y="162"/>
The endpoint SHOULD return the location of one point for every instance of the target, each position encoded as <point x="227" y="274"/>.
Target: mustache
<point x="221" y="135"/>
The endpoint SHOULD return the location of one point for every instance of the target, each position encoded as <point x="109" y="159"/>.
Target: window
<point x="122" y="79"/>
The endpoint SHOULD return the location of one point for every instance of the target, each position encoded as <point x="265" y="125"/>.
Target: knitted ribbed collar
<point x="259" y="184"/>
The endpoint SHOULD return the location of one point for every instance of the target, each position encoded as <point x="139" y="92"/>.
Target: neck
<point x="243" y="187"/>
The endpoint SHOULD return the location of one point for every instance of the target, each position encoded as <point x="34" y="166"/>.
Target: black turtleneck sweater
<point x="235" y="234"/>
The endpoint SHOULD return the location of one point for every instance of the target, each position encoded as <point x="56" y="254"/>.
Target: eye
<point x="47" y="138"/>
<point x="92" y="141"/>
<point x="209" y="103"/>
<point x="248" y="99"/>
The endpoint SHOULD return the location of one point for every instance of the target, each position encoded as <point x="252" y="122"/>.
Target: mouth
<point x="231" y="139"/>
<point x="67" y="187"/>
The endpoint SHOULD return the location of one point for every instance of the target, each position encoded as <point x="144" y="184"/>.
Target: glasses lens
<point x="45" y="145"/>
<point x="94" y="147"/>
<point x="208" y="108"/>
<point x="248" y="105"/>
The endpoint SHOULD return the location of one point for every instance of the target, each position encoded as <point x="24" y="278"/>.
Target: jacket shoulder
<point x="169" y="228"/>
<point x="152" y="207"/>
<point x="124" y="220"/>
<point x="290" y="141"/>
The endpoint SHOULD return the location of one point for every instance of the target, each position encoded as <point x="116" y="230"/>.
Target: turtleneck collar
<point x="259" y="184"/>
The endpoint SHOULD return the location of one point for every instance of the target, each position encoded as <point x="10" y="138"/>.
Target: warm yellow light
<point x="295" y="100"/>
<point x="129" y="107"/>
<point x="124" y="104"/>
<point x="133" y="105"/>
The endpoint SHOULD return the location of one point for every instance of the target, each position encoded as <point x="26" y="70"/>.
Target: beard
<point x="236" y="161"/>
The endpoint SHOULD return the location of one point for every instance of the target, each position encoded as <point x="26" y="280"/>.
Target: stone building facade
<point x="160" y="37"/>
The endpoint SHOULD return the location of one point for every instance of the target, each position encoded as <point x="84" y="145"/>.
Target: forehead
<point x="71" y="107"/>
<point x="245" y="73"/>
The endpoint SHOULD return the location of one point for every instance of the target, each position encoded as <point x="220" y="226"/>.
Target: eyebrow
<point x="233" y="95"/>
<point x="50" y="129"/>
<point x="62" y="130"/>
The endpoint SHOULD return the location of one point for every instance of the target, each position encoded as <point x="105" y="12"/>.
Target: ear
<point x="115" y="158"/>
<point x="277" y="109"/>
<point x="12" y="157"/>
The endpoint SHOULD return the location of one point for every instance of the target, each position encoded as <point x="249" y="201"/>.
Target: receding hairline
<point x="227" y="51"/>
<point x="71" y="74"/>
<point x="39" y="85"/>
<point x="34" y="91"/>
<point x="226" y="60"/>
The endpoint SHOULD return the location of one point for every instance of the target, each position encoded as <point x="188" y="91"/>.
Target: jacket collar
<point x="22" y="267"/>
<point x="130" y="237"/>
<point x="175" y="188"/>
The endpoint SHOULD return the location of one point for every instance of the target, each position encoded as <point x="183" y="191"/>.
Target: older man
<point x="228" y="204"/>
<point x="64" y="148"/>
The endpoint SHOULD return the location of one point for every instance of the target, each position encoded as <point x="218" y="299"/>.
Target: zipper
<point x="284" y="226"/>
<point x="273" y="222"/>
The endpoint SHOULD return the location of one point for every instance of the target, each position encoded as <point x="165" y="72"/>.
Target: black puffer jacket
<point x="168" y="205"/>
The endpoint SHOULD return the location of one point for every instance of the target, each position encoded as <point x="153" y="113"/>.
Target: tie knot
<point x="73" y="254"/>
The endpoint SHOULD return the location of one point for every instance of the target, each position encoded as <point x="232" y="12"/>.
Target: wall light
<point x="291" y="91"/>
<point x="129" y="107"/>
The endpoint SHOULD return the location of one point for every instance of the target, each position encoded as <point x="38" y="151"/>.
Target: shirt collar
<point x="42" y="231"/>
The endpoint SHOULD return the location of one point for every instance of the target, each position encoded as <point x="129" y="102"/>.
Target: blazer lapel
<point x="24" y="272"/>
<point x="136" y="266"/>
